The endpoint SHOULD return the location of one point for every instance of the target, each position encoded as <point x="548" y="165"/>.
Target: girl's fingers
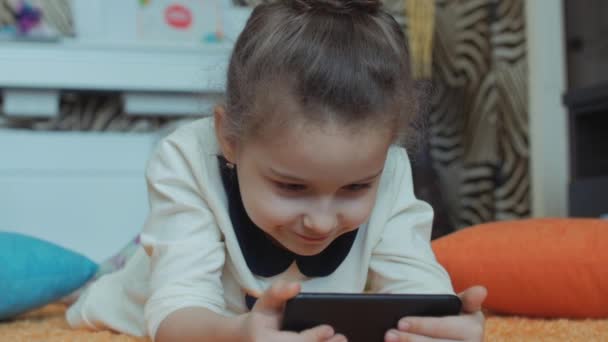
<point x="400" y="336"/>
<point x="467" y="327"/>
<point x="472" y="298"/>
<point x="320" y="333"/>
<point x="338" y="338"/>
<point x="273" y="300"/>
<point x="452" y="327"/>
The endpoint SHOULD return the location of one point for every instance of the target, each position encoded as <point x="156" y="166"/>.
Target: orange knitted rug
<point x="48" y="325"/>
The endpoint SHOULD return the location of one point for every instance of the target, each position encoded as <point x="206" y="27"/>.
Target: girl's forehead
<point x="281" y="109"/>
<point x="322" y="152"/>
<point x="330" y="133"/>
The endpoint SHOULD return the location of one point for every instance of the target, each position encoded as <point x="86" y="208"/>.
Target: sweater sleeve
<point x="402" y="261"/>
<point x="181" y="237"/>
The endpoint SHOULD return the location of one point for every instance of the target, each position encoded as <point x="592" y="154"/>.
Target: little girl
<point x="295" y="184"/>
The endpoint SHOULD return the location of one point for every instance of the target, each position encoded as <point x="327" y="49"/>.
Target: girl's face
<point x="305" y="187"/>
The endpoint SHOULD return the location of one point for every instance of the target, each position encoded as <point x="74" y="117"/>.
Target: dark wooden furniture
<point x="588" y="125"/>
<point x="587" y="101"/>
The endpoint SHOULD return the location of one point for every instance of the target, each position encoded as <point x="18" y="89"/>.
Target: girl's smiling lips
<point x="313" y="239"/>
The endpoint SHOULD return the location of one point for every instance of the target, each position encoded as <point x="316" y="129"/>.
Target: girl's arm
<point x="261" y="324"/>
<point x="199" y="324"/>
<point x="180" y="236"/>
<point x="403" y="262"/>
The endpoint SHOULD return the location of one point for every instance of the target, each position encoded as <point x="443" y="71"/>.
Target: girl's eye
<point x="293" y="187"/>
<point x="357" y="187"/>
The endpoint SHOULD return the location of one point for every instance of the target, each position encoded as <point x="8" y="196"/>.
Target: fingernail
<point x="328" y="332"/>
<point x="403" y="325"/>
<point x="392" y="336"/>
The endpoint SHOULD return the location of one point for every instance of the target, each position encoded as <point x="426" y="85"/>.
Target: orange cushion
<point x="533" y="267"/>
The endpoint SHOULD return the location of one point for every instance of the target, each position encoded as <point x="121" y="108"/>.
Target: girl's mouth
<point x="313" y="239"/>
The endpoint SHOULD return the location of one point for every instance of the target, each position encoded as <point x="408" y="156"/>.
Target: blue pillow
<point x="34" y="273"/>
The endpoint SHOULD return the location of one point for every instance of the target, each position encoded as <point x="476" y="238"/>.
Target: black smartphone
<point x="363" y="317"/>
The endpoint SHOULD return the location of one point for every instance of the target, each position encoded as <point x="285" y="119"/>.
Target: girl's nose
<point x="321" y="220"/>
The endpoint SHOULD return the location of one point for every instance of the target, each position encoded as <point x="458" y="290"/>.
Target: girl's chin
<point x="301" y="245"/>
<point x="307" y="249"/>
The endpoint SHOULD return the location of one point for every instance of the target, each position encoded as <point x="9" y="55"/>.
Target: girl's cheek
<point x="268" y="209"/>
<point x="356" y="212"/>
<point x="285" y="209"/>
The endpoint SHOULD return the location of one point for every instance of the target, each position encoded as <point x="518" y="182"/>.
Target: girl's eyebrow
<point x="296" y="179"/>
<point x="372" y="177"/>
<point x="286" y="176"/>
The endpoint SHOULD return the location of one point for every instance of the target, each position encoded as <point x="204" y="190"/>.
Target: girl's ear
<point x="227" y="143"/>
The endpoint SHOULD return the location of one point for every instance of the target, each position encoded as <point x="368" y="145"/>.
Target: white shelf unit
<point x="70" y="64"/>
<point x="83" y="190"/>
<point x="184" y="80"/>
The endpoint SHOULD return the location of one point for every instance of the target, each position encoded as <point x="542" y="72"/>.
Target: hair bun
<point x="338" y="6"/>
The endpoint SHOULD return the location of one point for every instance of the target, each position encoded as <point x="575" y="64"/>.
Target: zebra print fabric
<point x="479" y="117"/>
<point x="94" y="112"/>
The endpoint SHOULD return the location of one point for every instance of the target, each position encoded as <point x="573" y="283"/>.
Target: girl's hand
<point x="262" y="323"/>
<point x="468" y="326"/>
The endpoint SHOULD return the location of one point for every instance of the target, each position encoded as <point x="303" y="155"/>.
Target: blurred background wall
<point x="89" y="86"/>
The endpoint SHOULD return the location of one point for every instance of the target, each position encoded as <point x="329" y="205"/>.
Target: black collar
<point x="263" y="256"/>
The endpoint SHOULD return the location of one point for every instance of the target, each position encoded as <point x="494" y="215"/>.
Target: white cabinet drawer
<point x="84" y="191"/>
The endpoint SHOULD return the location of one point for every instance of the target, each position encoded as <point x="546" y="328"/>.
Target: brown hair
<point x="342" y="61"/>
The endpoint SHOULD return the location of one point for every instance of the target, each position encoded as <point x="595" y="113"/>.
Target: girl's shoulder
<point x="190" y="151"/>
<point x="397" y="165"/>
<point x="396" y="182"/>
<point x="198" y="134"/>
